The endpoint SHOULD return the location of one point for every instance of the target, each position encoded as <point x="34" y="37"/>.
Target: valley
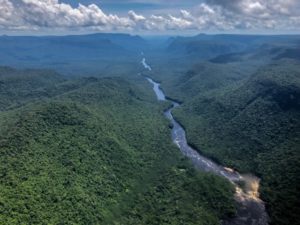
<point x="85" y="140"/>
<point x="239" y="114"/>
<point x="157" y="112"/>
<point x="250" y="209"/>
<point x="96" y="151"/>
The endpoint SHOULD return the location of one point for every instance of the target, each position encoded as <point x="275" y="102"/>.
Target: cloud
<point x="208" y="15"/>
<point x="37" y="14"/>
<point x="249" y="14"/>
<point x="135" y="17"/>
<point x="52" y="14"/>
<point x="259" y="8"/>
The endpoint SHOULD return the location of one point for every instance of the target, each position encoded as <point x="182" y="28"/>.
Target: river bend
<point x="250" y="208"/>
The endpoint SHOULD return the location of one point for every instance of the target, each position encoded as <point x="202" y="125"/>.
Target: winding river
<point x="250" y="208"/>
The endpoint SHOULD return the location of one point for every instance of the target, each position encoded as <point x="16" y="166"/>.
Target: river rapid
<point x="250" y="208"/>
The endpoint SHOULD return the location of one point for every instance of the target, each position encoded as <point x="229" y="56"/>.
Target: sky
<point x="155" y="17"/>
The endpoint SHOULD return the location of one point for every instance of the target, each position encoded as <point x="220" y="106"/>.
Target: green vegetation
<point x="248" y="120"/>
<point x="19" y="87"/>
<point x="96" y="151"/>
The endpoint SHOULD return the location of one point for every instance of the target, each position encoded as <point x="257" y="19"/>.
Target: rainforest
<point x="149" y="119"/>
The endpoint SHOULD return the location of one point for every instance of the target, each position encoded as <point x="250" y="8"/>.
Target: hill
<point x="74" y="55"/>
<point x="20" y="86"/>
<point x="241" y="108"/>
<point x="96" y="151"/>
<point x="252" y="125"/>
<point x="204" y="46"/>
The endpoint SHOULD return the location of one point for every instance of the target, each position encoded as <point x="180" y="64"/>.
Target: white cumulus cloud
<point x="208" y="15"/>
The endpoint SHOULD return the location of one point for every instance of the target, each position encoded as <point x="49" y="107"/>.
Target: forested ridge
<point x="248" y="119"/>
<point x="96" y="151"/>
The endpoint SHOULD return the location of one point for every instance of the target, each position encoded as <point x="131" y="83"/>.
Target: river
<point x="250" y="208"/>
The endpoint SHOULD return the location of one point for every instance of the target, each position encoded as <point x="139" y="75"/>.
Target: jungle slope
<point x="96" y="151"/>
<point x="251" y="124"/>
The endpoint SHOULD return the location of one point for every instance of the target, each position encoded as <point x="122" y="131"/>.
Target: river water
<point x="250" y="208"/>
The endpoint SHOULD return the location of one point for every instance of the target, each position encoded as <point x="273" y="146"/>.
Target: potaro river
<point x="250" y="208"/>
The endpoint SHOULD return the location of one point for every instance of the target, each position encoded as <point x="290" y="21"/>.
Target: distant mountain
<point x="265" y="53"/>
<point x="289" y="53"/>
<point x="69" y="52"/>
<point x="133" y="43"/>
<point x="208" y="46"/>
<point x="202" y="48"/>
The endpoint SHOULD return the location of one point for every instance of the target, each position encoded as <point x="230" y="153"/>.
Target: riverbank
<point x="250" y="208"/>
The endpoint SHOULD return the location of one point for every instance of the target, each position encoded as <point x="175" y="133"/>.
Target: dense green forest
<point x="91" y="146"/>
<point x="96" y="151"/>
<point x="245" y="115"/>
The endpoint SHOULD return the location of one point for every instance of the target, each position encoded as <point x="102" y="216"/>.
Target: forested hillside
<point x="247" y="118"/>
<point x="96" y="151"/>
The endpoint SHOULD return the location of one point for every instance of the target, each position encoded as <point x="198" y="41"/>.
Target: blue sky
<point x="120" y="7"/>
<point x="146" y="8"/>
<point x="149" y="17"/>
<point x="117" y="6"/>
